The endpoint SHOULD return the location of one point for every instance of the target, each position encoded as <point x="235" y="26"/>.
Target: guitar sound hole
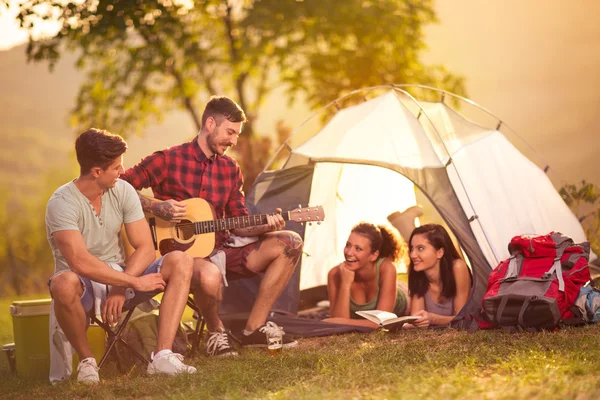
<point x="184" y="230"/>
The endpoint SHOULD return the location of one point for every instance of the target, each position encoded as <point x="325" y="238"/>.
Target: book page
<point x="377" y="316"/>
<point x="385" y="317"/>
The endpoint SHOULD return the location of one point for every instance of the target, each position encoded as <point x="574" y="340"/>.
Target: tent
<point x="380" y="144"/>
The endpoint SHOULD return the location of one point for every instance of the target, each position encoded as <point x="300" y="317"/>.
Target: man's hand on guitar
<point x="275" y="221"/>
<point x="149" y="283"/>
<point x="169" y="210"/>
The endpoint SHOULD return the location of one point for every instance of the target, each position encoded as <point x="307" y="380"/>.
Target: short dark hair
<point x="98" y="148"/>
<point x="382" y="239"/>
<point x="222" y="107"/>
<point x="439" y="238"/>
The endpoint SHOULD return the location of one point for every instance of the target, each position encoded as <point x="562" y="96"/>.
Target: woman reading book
<point x="366" y="280"/>
<point x="438" y="278"/>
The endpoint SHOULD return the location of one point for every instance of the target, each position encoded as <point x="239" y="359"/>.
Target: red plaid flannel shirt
<point x="183" y="171"/>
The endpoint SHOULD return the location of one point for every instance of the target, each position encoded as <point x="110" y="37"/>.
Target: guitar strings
<point x="189" y="228"/>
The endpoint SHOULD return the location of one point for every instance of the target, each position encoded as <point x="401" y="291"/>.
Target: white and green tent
<point x="368" y="159"/>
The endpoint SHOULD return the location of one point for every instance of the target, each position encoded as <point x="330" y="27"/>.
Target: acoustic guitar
<point x="195" y="233"/>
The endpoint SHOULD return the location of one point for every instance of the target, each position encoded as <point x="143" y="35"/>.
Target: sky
<point x="10" y="32"/>
<point x="533" y="63"/>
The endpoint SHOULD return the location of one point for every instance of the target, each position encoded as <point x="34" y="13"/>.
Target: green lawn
<point x="445" y="364"/>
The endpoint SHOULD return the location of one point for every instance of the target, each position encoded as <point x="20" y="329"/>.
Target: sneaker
<point x="258" y="338"/>
<point x="87" y="371"/>
<point x="218" y="345"/>
<point x="169" y="364"/>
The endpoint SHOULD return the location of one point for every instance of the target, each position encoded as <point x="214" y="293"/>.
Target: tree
<point x="145" y="58"/>
<point x="583" y="199"/>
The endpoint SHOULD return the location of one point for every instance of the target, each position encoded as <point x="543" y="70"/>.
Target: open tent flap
<point x="349" y="193"/>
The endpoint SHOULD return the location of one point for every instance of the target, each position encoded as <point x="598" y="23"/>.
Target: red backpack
<point x="538" y="285"/>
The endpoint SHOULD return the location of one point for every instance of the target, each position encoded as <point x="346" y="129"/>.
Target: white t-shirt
<point x="69" y="209"/>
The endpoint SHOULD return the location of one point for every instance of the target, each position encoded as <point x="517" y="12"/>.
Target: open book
<point x="382" y="318"/>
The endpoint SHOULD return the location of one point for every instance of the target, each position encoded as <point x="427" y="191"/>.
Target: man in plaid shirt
<point x="200" y="168"/>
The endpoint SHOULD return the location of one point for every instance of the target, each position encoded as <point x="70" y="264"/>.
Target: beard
<point x="213" y="144"/>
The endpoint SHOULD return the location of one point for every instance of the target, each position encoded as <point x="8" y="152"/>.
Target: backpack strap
<point x="501" y="307"/>
<point x="514" y="266"/>
<point x="561" y="246"/>
<point x="520" y="321"/>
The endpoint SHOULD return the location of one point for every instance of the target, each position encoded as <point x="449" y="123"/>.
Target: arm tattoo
<point x="146" y="202"/>
<point x="163" y="210"/>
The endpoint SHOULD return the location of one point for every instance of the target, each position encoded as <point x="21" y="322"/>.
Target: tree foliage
<point x="583" y="199"/>
<point x="144" y="58"/>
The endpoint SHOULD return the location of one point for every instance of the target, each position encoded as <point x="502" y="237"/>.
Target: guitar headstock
<point x="307" y="214"/>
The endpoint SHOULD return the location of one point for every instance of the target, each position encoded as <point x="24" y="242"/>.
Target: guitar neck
<point x="246" y="221"/>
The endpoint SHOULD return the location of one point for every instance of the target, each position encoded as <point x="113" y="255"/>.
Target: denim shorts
<point x="87" y="297"/>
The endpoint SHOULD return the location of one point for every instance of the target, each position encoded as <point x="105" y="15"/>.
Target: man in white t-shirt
<point x="83" y="224"/>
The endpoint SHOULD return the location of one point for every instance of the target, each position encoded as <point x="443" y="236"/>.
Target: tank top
<point x="445" y="309"/>
<point x="399" y="306"/>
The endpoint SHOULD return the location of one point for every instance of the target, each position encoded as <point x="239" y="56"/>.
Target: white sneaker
<point x="87" y="371"/>
<point x="169" y="364"/>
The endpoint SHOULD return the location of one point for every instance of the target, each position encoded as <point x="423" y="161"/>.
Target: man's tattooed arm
<point x="162" y="209"/>
<point x="146" y="202"/>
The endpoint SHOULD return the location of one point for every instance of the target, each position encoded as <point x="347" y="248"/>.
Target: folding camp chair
<point x="200" y="324"/>
<point x="115" y="336"/>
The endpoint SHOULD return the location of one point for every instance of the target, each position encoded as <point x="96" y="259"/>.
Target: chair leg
<point x="200" y="323"/>
<point x="114" y="337"/>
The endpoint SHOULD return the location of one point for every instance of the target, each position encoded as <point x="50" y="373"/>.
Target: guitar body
<point x="168" y="236"/>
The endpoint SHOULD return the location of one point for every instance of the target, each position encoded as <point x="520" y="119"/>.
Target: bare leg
<point x="207" y="289"/>
<point x="277" y="256"/>
<point x="66" y="291"/>
<point x="177" y="273"/>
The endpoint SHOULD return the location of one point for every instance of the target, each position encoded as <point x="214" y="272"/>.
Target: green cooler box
<point x="31" y="327"/>
<point x="31" y="321"/>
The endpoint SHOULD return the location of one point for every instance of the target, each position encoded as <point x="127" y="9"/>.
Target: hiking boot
<point x="169" y="364"/>
<point x="87" y="371"/>
<point x="258" y="338"/>
<point x="218" y="344"/>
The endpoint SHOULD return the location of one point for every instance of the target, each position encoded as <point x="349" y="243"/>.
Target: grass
<point x="445" y="364"/>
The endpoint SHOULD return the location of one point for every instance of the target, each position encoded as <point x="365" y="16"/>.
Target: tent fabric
<point x="387" y="133"/>
<point x="366" y="162"/>
<point x="509" y="195"/>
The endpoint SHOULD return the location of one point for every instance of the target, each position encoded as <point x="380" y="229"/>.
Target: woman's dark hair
<point x="439" y="238"/>
<point x="98" y="148"/>
<point x="382" y="238"/>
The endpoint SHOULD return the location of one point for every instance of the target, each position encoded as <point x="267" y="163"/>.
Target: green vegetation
<point x="144" y="59"/>
<point x="26" y="183"/>
<point x="584" y="201"/>
<point x="444" y="364"/>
